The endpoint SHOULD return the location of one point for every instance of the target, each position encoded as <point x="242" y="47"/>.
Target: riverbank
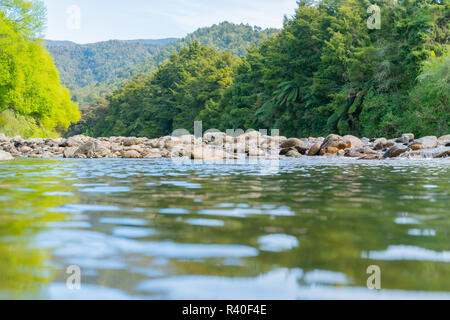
<point x="218" y="145"/>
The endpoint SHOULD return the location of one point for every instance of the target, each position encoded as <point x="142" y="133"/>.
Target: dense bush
<point x="31" y="95"/>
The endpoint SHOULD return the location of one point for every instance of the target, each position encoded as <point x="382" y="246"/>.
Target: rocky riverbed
<point x="218" y="145"/>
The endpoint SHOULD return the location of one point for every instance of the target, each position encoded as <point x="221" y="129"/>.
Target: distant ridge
<point x="94" y="70"/>
<point x="51" y="43"/>
<point x="158" y="42"/>
<point x="161" y="42"/>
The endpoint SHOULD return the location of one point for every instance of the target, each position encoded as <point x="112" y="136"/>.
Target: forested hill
<point x="32" y="100"/>
<point x="85" y="69"/>
<point x="226" y="36"/>
<point x="94" y="70"/>
<point x="325" y="72"/>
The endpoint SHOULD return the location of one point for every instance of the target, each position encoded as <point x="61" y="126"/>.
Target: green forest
<point x="325" y="72"/>
<point x="91" y="70"/>
<point x="94" y="70"/>
<point x="32" y="100"/>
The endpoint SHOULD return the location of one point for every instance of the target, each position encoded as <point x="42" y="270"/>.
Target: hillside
<point x="315" y="77"/>
<point x="85" y="68"/>
<point x="32" y="100"/>
<point x="94" y="70"/>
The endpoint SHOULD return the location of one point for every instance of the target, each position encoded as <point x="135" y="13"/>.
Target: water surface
<point x="157" y="229"/>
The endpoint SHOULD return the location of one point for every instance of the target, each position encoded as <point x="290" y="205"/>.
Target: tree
<point x="32" y="101"/>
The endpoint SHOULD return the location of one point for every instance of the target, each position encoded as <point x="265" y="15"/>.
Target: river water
<point x="158" y="229"/>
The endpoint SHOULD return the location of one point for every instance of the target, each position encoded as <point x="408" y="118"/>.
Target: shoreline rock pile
<point x="218" y="145"/>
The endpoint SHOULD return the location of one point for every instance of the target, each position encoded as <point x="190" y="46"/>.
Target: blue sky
<point x="153" y="19"/>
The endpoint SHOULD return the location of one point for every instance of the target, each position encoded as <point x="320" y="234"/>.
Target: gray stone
<point x="293" y="142"/>
<point x="444" y="140"/>
<point x="355" y="142"/>
<point x="333" y="143"/>
<point x="92" y="149"/>
<point x="395" y="151"/>
<point x="428" y="142"/>
<point x="5" y="155"/>
<point x="69" y="152"/>
<point x="293" y="154"/>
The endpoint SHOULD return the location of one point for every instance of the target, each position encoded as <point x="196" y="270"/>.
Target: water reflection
<point x="159" y="229"/>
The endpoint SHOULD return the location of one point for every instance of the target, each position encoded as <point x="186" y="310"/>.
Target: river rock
<point x="283" y="152"/>
<point x="214" y="137"/>
<point x="302" y="148"/>
<point x="173" y="142"/>
<point x="188" y="139"/>
<point x="92" y="149"/>
<point x="443" y="154"/>
<point x="354" y="141"/>
<point x="77" y="140"/>
<point x="370" y="157"/>
<point x="293" y="154"/>
<point x="395" y="151"/>
<point x="130" y="141"/>
<point x="416" y="146"/>
<point x="382" y="144"/>
<point x="25" y="149"/>
<point x="131" y="154"/>
<point x="444" y="140"/>
<point x="61" y="142"/>
<point x="429" y="142"/>
<point x="153" y="156"/>
<point x="351" y="153"/>
<point x="314" y="150"/>
<point x="333" y="143"/>
<point x="5" y="155"/>
<point x="256" y="152"/>
<point x="17" y="141"/>
<point x="208" y="153"/>
<point x="69" y="152"/>
<point x="366" y="150"/>
<point x="290" y="143"/>
<point x="405" y="138"/>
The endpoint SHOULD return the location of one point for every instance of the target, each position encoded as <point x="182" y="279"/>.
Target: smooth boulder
<point x="333" y="143"/>
<point x="355" y="142"/>
<point x="429" y="142"/>
<point x="395" y="151"/>
<point x="92" y="149"/>
<point x="5" y="155"/>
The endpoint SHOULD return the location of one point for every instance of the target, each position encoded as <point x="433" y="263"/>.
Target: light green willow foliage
<point x="30" y="87"/>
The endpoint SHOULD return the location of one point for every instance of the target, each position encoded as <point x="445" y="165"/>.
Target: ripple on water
<point x="406" y="220"/>
<point x="411" y="253"/>
<point x="132" y="232"/>
<point x="58" y="193"/>
<point x="277" y="242"/>
<point x="174" y="211"/>
<point x="123" y="221"/>
<point x="205" y="222"/>
<point x="70" y="225"/>
<point x="325" y="277"/>
<point x="184" y="184"/>
<point x="422" y="233"/>
<point x="81" y="208"/>
<point x="109" y="189"/>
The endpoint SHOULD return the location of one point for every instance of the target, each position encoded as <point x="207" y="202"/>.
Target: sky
<point x="87" y="21"/>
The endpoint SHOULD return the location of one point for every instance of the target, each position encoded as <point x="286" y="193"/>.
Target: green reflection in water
<point x="27" y="190"/>
<point x="154" y="220"/>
